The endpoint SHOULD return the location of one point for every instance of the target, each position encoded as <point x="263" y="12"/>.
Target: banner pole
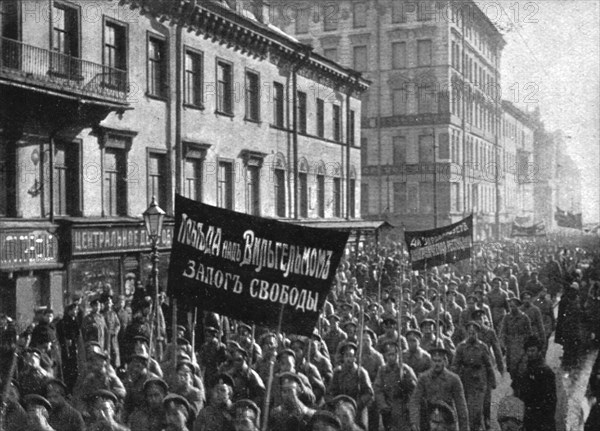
<point x="362" y="330"/>
<point x="267" y="403"/>
<point x="174" y="330"/>
<point x="399" y="320"/>
<point x="251" y="359"/>
<point x="193" y="332"/>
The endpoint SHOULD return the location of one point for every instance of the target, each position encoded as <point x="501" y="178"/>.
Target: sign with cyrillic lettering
<point x="439" y="246"/>
<point x="248" y="267"/>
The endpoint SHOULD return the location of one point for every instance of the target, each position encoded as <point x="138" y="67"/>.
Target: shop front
<point x="31" y="274"/>
<point x="102" y="256"/>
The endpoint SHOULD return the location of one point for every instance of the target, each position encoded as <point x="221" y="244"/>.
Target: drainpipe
<point x="307" y="50"/>
<point x="379" y="96"/>
<point x="349" y="135"/>
<point x="178" y="107"/>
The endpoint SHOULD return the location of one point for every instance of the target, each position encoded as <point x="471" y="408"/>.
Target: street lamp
<point x="153" y="219"/>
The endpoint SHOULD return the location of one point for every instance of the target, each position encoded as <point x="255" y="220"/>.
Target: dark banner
<point x="248" y="267"/>
<point x="538" y="229"/>
<point x="568" y="219"/>
<point x="435" y="247"/>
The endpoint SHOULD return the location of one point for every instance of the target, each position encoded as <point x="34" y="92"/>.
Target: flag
<point x="442" y="245"/>
<point x="538" y="229"/>
<point x="568" y="219"/>
<point x="248" y="267"/>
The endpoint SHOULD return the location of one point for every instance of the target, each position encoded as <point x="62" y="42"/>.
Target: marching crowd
<point x="394" y="349"/>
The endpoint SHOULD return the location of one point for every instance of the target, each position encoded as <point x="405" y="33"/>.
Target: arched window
<point x="279" y="170"/>
<point x="303" y="187"/>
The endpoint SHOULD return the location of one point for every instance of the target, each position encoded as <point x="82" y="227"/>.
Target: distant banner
<point x="568" y="219"/>
<point x="248" y="267"/>
<point x="446" y="244"/>
<point x="538" y="229"/>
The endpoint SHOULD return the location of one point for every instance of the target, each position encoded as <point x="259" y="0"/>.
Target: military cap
<point x="439" y="411"/>
<point x="478" y="290"/>
<point x="286" y="352"/>
<point x="103" y="394"/>
<point x="182" y="356"/>
<point x="181" y="328"/>
<point x="478" y="313"/>
<point x="186" y="363"/>
<point x="181" y="341"/>
<point x="427" y="322"/>
<point x="388" y="320"/>
<point x="288" y="375"/>
<point x="439" y="351"/>
<point x="94" y="300"/>
<point x="244" y="326"/>
<point x="420" y="298"/>
<point x="511" y="407"/>
<point x="350" y="322"/>
<point x="233" y="344"/>
<point x="334" y="317"/>
<point x="96" y="350"/>
<point x="474" y="324"/>
<point x="346" y="304"/>
<point x="344" y="399"/>
<point x="452" y="283"/>
<point x="246" y="404"/>
<point x="371" y="333"/>
<point x="326" y="417"/>
<point x="532" y="341"/>
<point x="390" y="343"/>
<point x="298" y="340"/>
<point x="525" y="293"/>
<point x="414" y="332"/>
<point x="158" y="382"/>
<point x="498" y="278"/>
<point x="177" y="400"/>
<point x="211" y="330"/>
<point x="225" y="379"/>
<point x="347" y="346"/>
<point x="140" y="358"/>
<point x="517" y="300"/>
<point x="471" y="296"/>
<point x="142" y="338"/>
<point x="37" y="400"/>
<point x="33" y="351"/>
<point x="315" y="334"/>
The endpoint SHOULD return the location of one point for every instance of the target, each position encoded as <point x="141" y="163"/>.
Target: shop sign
<point x="88" y="240"/>
<point x="29" y="249"/>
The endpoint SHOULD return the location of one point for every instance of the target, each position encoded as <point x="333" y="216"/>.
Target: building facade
<point x="107" y="104"/>
<point x="432" y="110"/>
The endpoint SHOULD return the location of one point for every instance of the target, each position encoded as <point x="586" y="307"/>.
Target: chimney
<point x="262" y="11"/>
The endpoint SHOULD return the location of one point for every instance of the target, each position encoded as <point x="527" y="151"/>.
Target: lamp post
<point x="153" y="219"/>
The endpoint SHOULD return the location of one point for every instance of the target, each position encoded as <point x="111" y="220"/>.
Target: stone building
<point x="106" y="104"/>
<point x="435" y="68"/>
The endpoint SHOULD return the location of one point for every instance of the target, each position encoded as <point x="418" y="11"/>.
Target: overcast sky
<point x="552" y="59"/>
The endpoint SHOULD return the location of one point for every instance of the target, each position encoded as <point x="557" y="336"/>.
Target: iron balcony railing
<point x="60" y="72"/>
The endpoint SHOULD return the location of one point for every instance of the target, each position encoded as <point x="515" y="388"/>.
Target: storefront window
<point x="163" y="270"/>
<point x="93" y="277"/>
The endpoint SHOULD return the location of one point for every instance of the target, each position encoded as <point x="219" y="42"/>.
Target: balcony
<point x="33" y="67"/>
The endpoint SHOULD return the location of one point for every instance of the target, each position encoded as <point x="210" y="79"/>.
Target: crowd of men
<point x="394" y="349"/>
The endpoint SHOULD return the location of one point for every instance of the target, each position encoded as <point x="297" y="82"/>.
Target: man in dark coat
<point x="68" y="332"/>
<point x="537" y="389"/>
<point x="569" y="326"/>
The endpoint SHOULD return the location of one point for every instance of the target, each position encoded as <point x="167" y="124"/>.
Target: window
<point x="225" y="185"/>
<point x="352" y="203"/>
<point x="360" y="58"/>
<point x="424" y="53"/>
<point x="4" y="179"/>
<point x="157" y="67"/>
<point x="301" y="112"/>
<point x="427" y="100"/>
<point x="398" y="55"/>
<point x="9" y="19"/>
<point x="65" y="41"/>
<point x="364" y="198"/>
<point x="337" y="123"/>
<point x="115" y="55"/>
<point x="193" y="78"/>
<point x="331" y="53"/>
<point x="157" y="177"/>
<point x="302" y="21"/>
<point x="252" y="96"/>
<point x="253" y="189"/>
<point x="278" y="104"/>
<point x="337" y="197"/>
<point x="279" y="175"/>
<point x="303" y="192"/>
<point x="320" y="118"/>
<point x="352" y="129"/>
<point x="359" y="15"/>
<point x="444" y="147"/>
<point x="399" y="102"/>
<point x="425" y="198"/>
<point x="224" y="87"/>
<point x="412" y="198"/>
<point x="115" y="185"/>
<point x="321" y="195"/>
<point x="331" y="13"/>
<point x="425" y="149"/>
<point x="66" y="168"/>
<point x="398" y="15"/>
<point x="399" y="150"/>
<point x="400" y="198"/>
<point x="192" y="187"/>
<point x="426" y="11"/>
